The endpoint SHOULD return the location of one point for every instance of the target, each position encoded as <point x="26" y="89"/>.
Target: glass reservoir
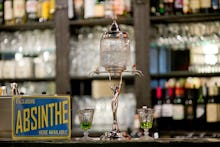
<point x="115" y="50"/>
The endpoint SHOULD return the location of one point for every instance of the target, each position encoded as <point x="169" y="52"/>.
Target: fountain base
<point x="117" y="136"/>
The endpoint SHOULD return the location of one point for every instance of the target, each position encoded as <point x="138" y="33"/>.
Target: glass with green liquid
<point x="146" y="121"/>
<point x="86" y="118"/>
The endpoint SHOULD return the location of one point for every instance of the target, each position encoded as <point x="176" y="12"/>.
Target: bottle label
<point x="31" y="6"/>
<point x="157" y="112"/>
<point x="178" y="112"/>
<point x="212" y="112"/>
<point x="205" y="3"/>
<point x="99" y="10"/>
<point x="200" y="111"/>
<point x="189" y="112"/>
<point x="167" y="110"/>
<point x="45" y="10"/>
<point x="118" y="7"/>
<point x="195" y="4"/>
<point x="8" y="11"/>
<point x="19" y="8"/>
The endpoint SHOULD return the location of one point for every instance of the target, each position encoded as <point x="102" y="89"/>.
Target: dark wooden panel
<point x="142" y="33"/>
<point x="62" y="47"/>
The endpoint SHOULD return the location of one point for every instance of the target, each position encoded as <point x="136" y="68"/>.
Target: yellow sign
<point x="41" y="117"/>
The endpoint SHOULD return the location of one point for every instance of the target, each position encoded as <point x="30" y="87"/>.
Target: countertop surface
<point x="98" y="142"/>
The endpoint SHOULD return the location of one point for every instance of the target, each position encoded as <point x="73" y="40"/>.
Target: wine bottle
<point x="201" y="107"/>
<point x="167" y="108"/>
<point x="178" y="106"/>
<point x="212" y="108"/>
<point x="158" y="106"/>
<point x="190" y="107"/>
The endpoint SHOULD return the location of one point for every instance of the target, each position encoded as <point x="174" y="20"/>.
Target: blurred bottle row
<point x="29" y="88"/>
<point x="183" y="7"/>
<point x="190" y="47"/>
<point x="27" y="54"/>
<point x="22" y="11"/>
<point x="83" y="9"/>
<point x="102" y="120"/>
<point x="187" y="104"/>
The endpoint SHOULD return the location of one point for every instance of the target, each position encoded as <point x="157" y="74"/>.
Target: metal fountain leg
<point x="115" y="133"/>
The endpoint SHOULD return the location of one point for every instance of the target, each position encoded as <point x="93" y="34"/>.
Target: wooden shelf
<point x="101" y="77"/>
<point x="185" y="18"/>
<point x="153" y="19"/>
<point x="28" y="80"/>
<point x="28" y="26"/>
<point x="183" y="74"/>
<point x="99" y="21"/>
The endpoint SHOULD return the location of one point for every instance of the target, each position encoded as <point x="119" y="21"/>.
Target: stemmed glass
<point x="86" y="118"/>
<point x="146" y="121"/>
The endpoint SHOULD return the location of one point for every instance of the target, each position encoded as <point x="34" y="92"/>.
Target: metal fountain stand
<point x="116" y="70"/>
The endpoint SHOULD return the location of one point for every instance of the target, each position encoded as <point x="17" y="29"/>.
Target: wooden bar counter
<point x="74" y="142"/>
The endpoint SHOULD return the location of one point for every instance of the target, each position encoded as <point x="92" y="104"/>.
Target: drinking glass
<point x="146" y="121"/>
<point x="86" y="118"/>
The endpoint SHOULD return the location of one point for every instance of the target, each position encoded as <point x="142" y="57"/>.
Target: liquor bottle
<point x="99" y="10"/>
<point x="190" y="107"/>
<point x="205" y="6"/>
<point x="158" y="107"/>
<point x="31" y="10"/>
<point x="167" y="107"/>
<point x="45" y="10"/>
<point x="169" y="7"/>
<point x="19" y="11"/>
<point x="215" y="6"/>
<point x="118" y="7"/>
<point x="201" y="107"/>
<point x="1" y="12"/>
<point x="194" y="6"/>
<point x="161" y="7"/>
<point x="153" y="7"/>
<point x="52" y="8"/>
<point x="186" y="7"/>
<point x="178" y="7"/>
<point x="8" y="12"/>
<point x="14" y="89"/>
<point x="128" y="9"/>
<point x="212" y="108"/>
<point x="178" y="106"/>
<point x="70" y="9"/>
<point x="78" y="7"/>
